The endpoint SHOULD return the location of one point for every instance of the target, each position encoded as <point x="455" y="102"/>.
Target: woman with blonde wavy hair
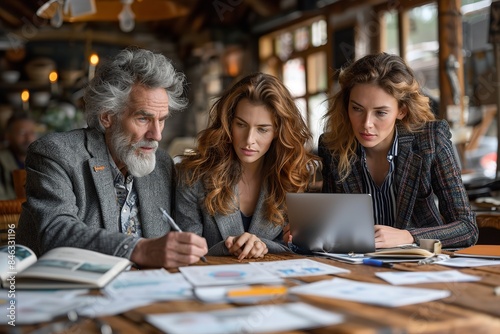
<point x="382" y="138"/>
<point x="232" y="189"/>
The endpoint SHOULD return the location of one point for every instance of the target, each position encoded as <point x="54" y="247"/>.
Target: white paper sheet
<point x="466" y="262"/>
<point x="370" y="293"/>
<point x="299" y="267"/>
<point x="149" y="284"/>
<point x="100" y="306"/>
<point x="398" y="278"/>
<point x="35" y="306"/>
<point x="251" y="319"/>
<point x="227" y="274"/>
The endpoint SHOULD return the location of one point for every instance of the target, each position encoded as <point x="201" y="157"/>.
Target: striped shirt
<point x="384" y="197"/>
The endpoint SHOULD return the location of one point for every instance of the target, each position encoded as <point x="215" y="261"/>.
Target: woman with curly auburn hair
<point x="232" y="189"/>
<point x="382" y="138"/>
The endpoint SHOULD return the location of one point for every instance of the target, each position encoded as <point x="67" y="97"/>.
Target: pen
<point x="377" y="263"/>
<point x="174" y="226"/>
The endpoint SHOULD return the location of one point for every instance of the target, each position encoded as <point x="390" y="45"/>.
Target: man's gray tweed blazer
<point x="71" y="198"/>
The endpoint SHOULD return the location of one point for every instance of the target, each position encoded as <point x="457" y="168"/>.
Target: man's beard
<point x="138" y="164"/>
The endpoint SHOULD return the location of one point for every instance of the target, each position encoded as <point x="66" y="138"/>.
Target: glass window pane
<point x="391" y="22"/>
<point x="284" y="45"/>
<point x="318" y="106"/>
<point x="301" y="39"/>
<point x="317" y="72"/>
<point x="422" y="49"/>
<point x="319" y="33"/>
<point x="294" y="76"/>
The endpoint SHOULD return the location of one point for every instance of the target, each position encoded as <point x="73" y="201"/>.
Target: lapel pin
<point x="98" y="168"/>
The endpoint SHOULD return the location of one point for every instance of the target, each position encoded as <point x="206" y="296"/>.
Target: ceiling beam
<point x="264" y="7"/>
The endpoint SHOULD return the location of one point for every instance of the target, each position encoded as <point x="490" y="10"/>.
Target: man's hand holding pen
<point x="174" y="249"/>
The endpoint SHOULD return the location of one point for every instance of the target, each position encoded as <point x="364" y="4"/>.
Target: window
<point x="299" y="58"/>
<point x="423" y="47"/>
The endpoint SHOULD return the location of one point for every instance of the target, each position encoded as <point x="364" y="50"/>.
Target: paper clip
<point x="352" y="254"/>
<point x="428" y="260"/>
<point x="433" y="259"/>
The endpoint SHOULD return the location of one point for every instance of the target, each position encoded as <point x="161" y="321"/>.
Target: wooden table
<point x="471" y="308"/>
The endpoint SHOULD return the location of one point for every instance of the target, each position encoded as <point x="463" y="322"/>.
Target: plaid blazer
<point x="426" y="169"/>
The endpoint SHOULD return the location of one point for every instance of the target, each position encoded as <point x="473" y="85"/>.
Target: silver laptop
<point x="333" y="223"/>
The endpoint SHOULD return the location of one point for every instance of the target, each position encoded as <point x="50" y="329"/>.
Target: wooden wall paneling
<point x="450" y="44"/>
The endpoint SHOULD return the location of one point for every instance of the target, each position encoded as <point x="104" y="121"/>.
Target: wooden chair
<point x="10" y="210"/>
<point x="487" y="210"/>
<point x="489" y="228"/>
<point x="19" y="178"/>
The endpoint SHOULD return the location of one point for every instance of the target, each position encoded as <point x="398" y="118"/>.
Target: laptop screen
<point x="333" y="223"/>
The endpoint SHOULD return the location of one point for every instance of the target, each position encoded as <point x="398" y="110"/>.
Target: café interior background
<point x="49" y="50"/>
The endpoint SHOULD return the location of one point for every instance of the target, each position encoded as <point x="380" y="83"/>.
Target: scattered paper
<point x="370" y="293"/>
<point x="465" y="262"/>
<point x="33" y="306"/>
<point x="100" y="306"/>
<point x="153" y="285"/>
<point x="250" y="319"/>
<point x="228" y="274"/>
<point x="413" y="277"/>
<point x="299" y="267"/>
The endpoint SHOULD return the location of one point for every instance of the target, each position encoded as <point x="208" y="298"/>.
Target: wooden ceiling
<point x="174" y="17"/>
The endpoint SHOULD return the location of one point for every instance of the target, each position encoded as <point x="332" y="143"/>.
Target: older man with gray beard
<point x="101" y="188"/>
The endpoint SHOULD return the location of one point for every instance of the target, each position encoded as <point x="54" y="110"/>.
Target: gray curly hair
<point x="109" y="90"/>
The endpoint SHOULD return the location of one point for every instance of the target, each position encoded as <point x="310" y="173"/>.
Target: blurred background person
<point x="20" y="132"/>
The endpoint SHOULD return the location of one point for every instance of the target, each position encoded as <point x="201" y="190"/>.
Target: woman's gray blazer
<point x="71" y="199"/>
<point x="191" y="216"/>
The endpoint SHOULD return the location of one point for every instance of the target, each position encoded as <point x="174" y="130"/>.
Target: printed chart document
<point x="228" y="274"/>
<point x="250" y="319"/>
<point x="299" y="267"/>
<point x="152" y="285"/>
<point x="417" y="277"/>
<point x="59" y="268"/>
<point x="370" y="293"/>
